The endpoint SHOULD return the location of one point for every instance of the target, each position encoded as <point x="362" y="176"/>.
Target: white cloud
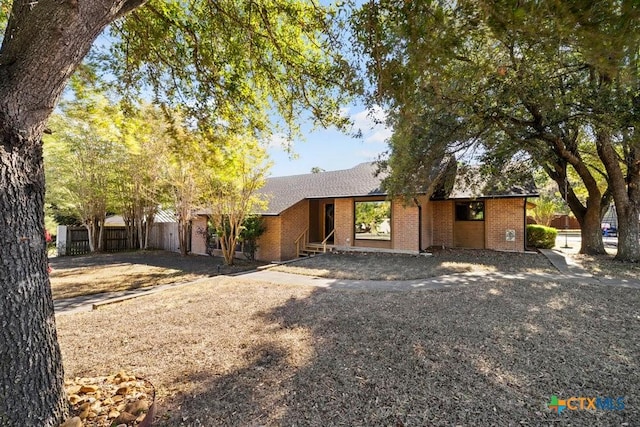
<point x="371" y="123"/>
<point x="277" y="141"/>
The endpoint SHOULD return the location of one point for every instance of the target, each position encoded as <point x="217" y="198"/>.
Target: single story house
<point x="348" y="210"/>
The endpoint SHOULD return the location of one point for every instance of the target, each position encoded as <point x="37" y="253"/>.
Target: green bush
<point x="539" y="236"/>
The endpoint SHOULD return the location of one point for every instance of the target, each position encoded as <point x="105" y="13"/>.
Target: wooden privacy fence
<point x="77" y="240"/>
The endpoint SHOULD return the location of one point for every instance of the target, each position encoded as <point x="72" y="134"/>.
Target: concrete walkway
<point x="440" y="282"/>
<point x="568" y="271"/>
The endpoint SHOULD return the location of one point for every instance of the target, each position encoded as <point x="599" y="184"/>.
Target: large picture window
<point x="469" y="211"/>
<point x="373" y="220"/>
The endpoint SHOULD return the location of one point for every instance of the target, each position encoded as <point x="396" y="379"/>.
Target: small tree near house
<point x="236" y="174"/>
<point x="252" y="228"/>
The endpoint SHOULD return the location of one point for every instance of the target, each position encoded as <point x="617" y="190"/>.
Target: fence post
<point x="61" y="240"/>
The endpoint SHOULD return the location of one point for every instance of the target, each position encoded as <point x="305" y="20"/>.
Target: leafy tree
<point x="514" y="81"/>
<point x="83" y="154"/>
<point x="545" y="210"/>
<point x="143" y="183"/>
<point x="252" y="228"/>
<point x="372" y="214"/>
<point x="228" y="61"/>
<point x="233" y="175"/>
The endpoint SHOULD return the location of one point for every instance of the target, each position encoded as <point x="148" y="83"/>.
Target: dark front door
<point x="329" y="222"/>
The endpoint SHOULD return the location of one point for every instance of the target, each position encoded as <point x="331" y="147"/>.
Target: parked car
<point x="609" y="231"/>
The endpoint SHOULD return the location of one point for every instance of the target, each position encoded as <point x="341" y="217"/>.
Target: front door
<point x="329" y="222"/>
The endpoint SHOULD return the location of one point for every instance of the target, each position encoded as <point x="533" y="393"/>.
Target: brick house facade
<point x="315" y="207"/>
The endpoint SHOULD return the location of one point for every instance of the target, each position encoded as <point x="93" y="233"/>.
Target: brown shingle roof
<point x="361" y="180"/>
<point x="285" y="191"/>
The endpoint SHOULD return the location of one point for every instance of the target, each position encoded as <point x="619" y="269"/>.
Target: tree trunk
<point x="591" y="231"/>
<point x="42" y="45"/>
<point x="628" y="232"/>
<point x="183" y="235"/>
<point x="626" y="191"/>
<point x="31" y="374"/>
<point x="588" y="216"/>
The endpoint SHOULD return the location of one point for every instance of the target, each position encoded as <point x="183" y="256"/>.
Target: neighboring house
<point x="348" y="210"/>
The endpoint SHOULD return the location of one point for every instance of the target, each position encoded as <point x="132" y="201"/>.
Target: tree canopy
<point x="226" y="64"/>
<point x="551" y="82"/>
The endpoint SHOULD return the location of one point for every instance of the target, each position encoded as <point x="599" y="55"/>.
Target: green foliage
<point x="369" y="215"/>
<point x="231" y="64"/>
<point x="546" y="209"/>
<point x="252" y="228"/>
<point x="5" y="8"/>
<point x="553" y="83"/>
<point x="539" y="236"/>
<point x="234" y="167"/>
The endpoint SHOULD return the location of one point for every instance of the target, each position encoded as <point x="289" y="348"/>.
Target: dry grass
<point x="113" y="272"/>
<point x="378" y="266"/>
<point x="228" y="352"/>
<point x="606" y="266"/>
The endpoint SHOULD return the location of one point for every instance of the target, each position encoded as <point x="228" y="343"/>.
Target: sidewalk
<point x="568" y="271"/>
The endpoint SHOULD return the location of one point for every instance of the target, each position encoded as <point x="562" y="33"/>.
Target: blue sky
<point x="331" y="149"/>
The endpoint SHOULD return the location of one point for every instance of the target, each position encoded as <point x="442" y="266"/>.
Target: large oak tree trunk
<point x="628" y="232"/>
<point x="591" y="231"/>
<point x="42" y="45"/>
<point x="626" y="192"/>
<point x="588" y="216"/>
<point x="31" y="376"/>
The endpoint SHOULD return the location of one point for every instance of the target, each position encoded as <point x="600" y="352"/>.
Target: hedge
<point x="539" y="236"/>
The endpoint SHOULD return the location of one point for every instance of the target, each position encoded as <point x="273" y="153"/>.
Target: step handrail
<point x="297" y="241"/>
<point x="324" y="242"/>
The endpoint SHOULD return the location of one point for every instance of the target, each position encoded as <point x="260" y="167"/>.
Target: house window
<point x="373" y="220"/>
<point x="469" y="211"/>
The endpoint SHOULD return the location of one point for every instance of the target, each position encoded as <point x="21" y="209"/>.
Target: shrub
<point x="539" y="236"/>
<point x="252" y="228"/>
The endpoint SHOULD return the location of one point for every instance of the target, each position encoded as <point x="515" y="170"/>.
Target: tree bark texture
<point x="626" y="192"/>
<point x="588" y="216"/>
<point x="43" y="43"/>
<point x="31" y="375"/>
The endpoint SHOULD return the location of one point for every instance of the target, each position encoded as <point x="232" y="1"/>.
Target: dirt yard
<point x="377" y="266"/>
<point x="111" y="272"/>
<point x="226" y="352"/>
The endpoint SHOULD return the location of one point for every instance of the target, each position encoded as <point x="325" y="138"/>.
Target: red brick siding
<point x="442" y="223"/>
<point x="427" y="221"/>
<point x="269" y="242"/>
<point x="293" y="222"/>
<point x="500" y="215"/>
<point x="404" y="226"/>
<point x="344" y="222"/>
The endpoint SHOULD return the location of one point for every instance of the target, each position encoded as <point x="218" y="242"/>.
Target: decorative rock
<point x="73" y="389"/>
<point x="123" y="391"/>
<point x="74" y="398"/>
<point x="88" y="389"/>
<point x="108" y="401"/>
<point x="125" y="418"/>
<point x="73" y="422"/>
<point x="137" y="407"/>
<point x="84" y="413"/>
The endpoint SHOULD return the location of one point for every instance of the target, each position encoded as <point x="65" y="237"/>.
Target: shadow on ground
<point x="195" y="264"/>
<point x="479" y="355"/>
